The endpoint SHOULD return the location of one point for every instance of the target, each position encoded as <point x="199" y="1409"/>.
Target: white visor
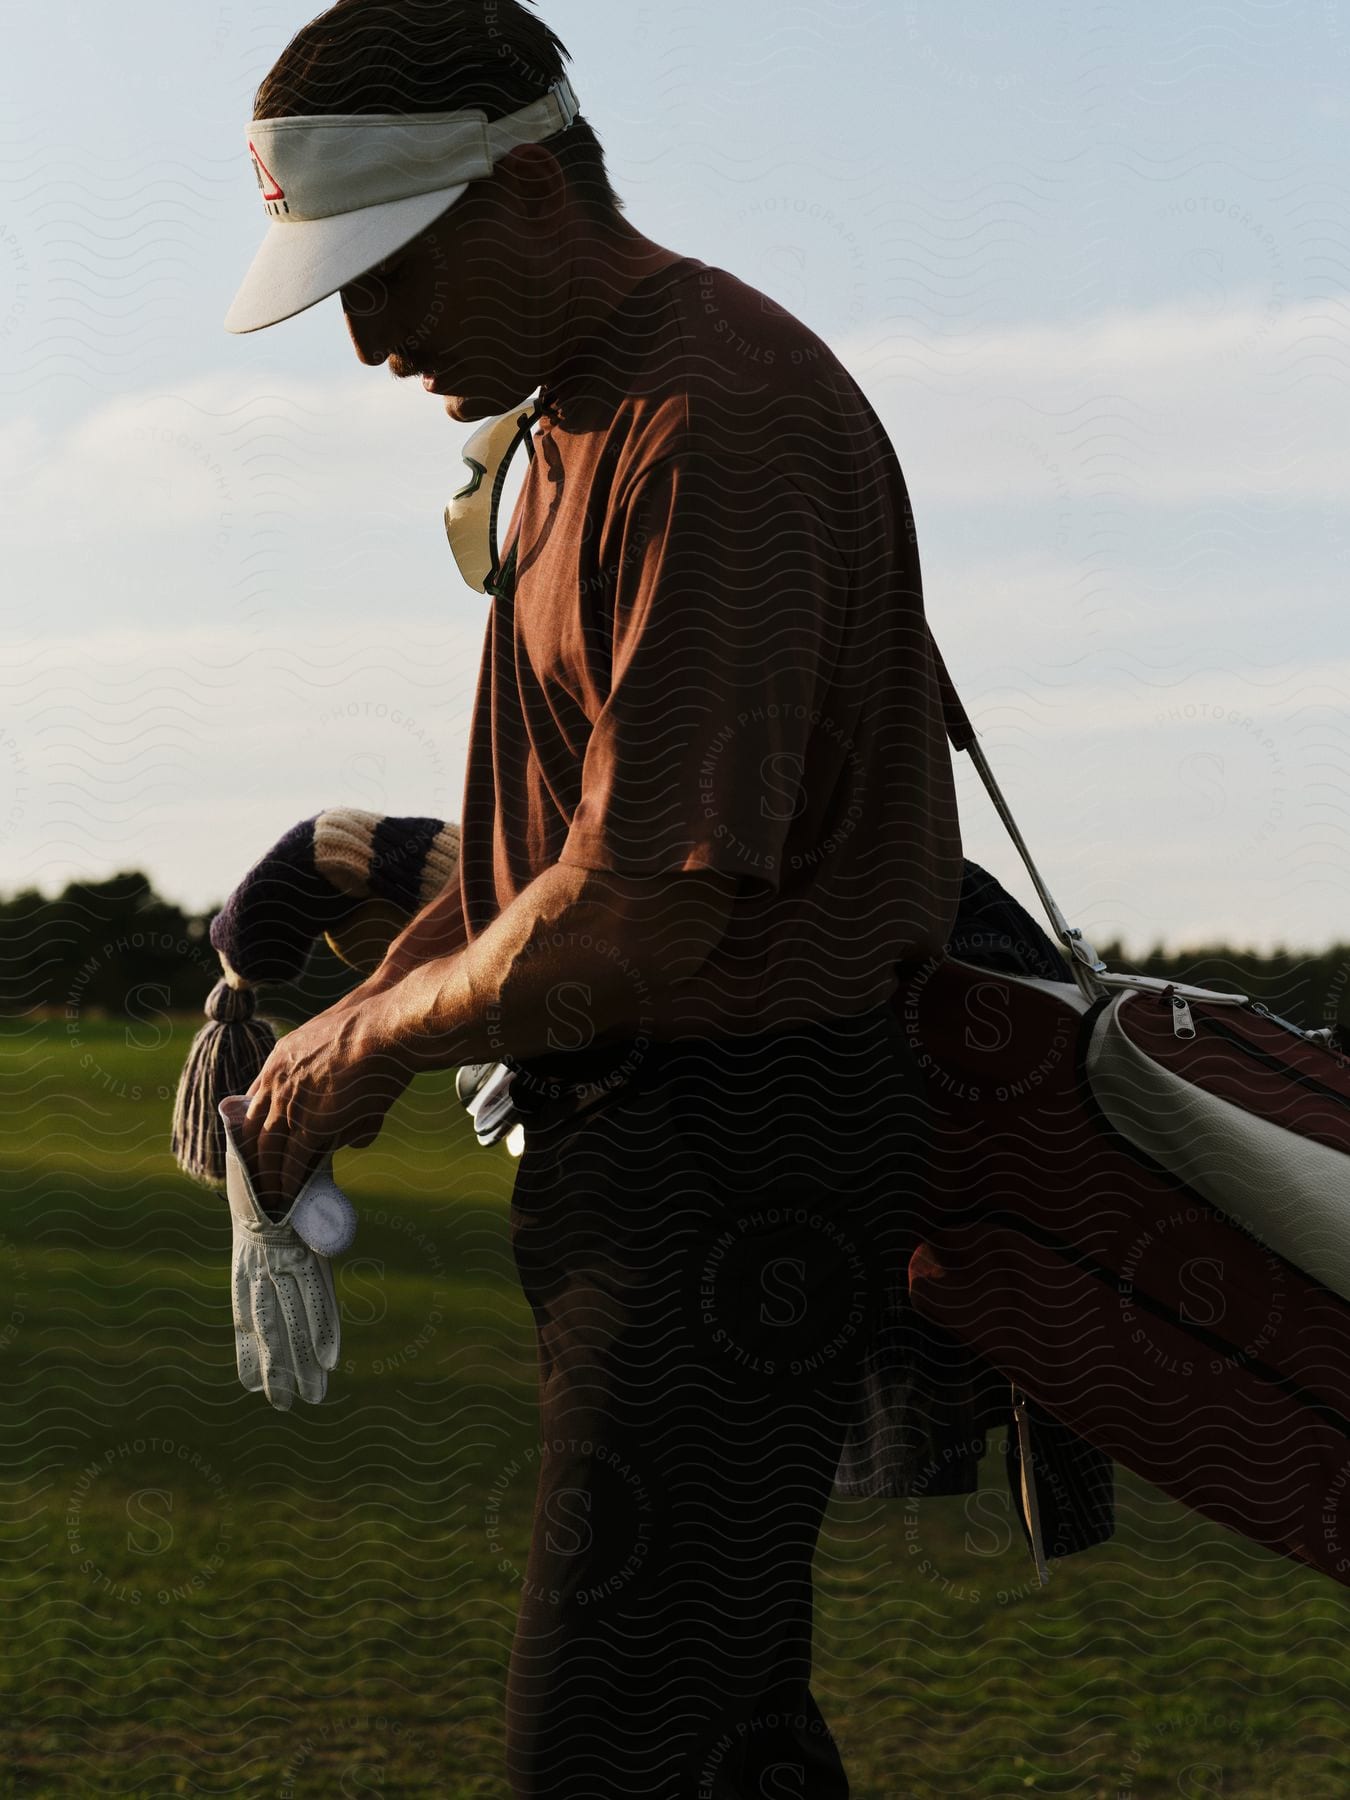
<point x="343" y="191"/>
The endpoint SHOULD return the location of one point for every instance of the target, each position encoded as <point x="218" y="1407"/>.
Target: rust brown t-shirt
<point x="715" y="657"/>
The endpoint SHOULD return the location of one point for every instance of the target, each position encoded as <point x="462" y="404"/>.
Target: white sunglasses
<point x="471" y="517"/>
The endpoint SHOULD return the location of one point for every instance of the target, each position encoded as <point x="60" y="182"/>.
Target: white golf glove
<point x="286" y="1319"/>
<point x="484" y="1090"/>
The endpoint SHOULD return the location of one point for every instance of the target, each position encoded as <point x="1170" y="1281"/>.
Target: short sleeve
<point x="727" y="608"/>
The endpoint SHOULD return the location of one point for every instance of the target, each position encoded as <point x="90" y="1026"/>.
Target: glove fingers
<point x="278" y="1375"/>
<point x="286" y="1318"/>
<point x="245" y="1339"/>
<point x="323" y="1313"/>
<point x="293" y="1280"/>
<point x="246" y="1359"/>
<point x="331" y="1343"/>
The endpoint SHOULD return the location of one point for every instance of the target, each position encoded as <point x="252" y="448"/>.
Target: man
<point x="709" y="810"/>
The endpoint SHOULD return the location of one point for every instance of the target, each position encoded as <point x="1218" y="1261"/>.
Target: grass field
<point x="203" y="1596"/>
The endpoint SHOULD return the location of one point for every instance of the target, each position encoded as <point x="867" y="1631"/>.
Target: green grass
<point x="202" y="1596"/>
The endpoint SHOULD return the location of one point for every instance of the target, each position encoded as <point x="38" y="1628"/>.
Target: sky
<point x="1090" y="263"/>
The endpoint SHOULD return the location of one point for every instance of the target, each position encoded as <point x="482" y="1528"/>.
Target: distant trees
<point x="117" y="948"/>
<point x="1309" y="988"/>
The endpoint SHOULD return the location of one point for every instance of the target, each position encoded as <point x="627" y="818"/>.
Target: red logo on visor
<point x="267" y="181"/>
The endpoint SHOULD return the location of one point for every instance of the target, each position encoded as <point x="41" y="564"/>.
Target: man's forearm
<point x="436" y="933"/>
<point x="575" y="958"/>
<point x="550" y="951"/>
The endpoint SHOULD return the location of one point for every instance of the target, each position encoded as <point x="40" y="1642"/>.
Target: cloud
<point x="1162" y="405"/>
<point x="216" y="452"/>
<point x="1105" y="509"/>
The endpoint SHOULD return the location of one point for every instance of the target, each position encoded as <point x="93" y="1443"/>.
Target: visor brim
<point x="304" y="261"/>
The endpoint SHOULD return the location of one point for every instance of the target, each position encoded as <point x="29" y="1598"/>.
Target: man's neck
<point x="606" y="267"/>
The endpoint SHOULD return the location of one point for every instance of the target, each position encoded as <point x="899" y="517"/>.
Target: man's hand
<point x="329" y="1083"/>
<point x="596" y="947"/>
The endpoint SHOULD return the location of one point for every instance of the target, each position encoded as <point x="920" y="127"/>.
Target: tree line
<point x="116" y="948"/>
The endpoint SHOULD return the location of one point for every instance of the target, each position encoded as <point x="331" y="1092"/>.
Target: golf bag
<point x="1140" y="1215"/>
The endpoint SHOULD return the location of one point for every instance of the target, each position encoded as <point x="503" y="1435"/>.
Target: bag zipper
<point x="1183" y="1025"/>
<point x="1269" y="1059"/>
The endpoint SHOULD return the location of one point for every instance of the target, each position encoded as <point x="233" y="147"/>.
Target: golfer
<point x="709" y="814"/>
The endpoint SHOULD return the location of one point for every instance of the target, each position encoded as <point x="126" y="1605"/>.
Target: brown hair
<point x="411" y="56"/>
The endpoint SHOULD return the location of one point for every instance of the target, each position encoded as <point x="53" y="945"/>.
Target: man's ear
<point x="536" y="181"/>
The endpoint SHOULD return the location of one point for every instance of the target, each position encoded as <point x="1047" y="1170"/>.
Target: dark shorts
<point x="707" y="1254"/>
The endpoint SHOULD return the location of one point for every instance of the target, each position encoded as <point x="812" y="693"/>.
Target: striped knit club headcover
<point x="315" y="881"/>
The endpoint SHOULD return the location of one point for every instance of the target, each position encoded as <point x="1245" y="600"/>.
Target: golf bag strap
<point x="1083" y="959"/>
<point x="959" y="728"/>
